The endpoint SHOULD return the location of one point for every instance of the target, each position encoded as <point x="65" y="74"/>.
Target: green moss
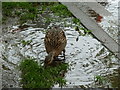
<point x="24" y="10"/>
<point x="9" y="5"/>
<point x="36" y="76"/>
<point x="30" y="10"/>
<point x="24" y="43"/>
<point x="101" y="80"/>
<point x="76" y="21"/>
<point x="61" y="10"/>
<point x="18" y="13"/>
<point x="27" y="16"/>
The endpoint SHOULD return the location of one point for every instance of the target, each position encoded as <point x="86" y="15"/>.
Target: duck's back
<point x="55" y="40"/>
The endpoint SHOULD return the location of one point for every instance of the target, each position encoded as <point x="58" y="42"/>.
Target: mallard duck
<point x="55" y="42"/>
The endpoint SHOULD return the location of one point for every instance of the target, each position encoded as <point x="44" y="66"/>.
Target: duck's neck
<point x="52" y="54"/>
<point x="51" y="57"/>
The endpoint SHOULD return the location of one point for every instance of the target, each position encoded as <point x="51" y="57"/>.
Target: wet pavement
<point x="87" y="58"/>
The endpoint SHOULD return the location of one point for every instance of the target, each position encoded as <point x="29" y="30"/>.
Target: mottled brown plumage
<point x="55" y="42"/>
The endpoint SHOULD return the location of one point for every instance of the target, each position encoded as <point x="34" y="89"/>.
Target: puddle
<point x="87" y="57"/>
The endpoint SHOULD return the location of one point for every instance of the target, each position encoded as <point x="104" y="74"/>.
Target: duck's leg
<point x="64" y="54"/>
<point x="56" y="59"/>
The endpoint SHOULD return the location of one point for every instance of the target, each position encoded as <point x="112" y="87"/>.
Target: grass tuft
<point x="36" y="76"/>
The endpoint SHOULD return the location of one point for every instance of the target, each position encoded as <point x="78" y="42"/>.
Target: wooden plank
<point x="96" y="7"/>
<point x="90" y="24"/>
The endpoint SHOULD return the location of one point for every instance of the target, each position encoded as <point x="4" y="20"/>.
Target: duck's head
<point x="49" y="59"/>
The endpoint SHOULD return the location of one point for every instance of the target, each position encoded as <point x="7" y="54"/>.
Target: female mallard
<point x="55" y="42"/>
